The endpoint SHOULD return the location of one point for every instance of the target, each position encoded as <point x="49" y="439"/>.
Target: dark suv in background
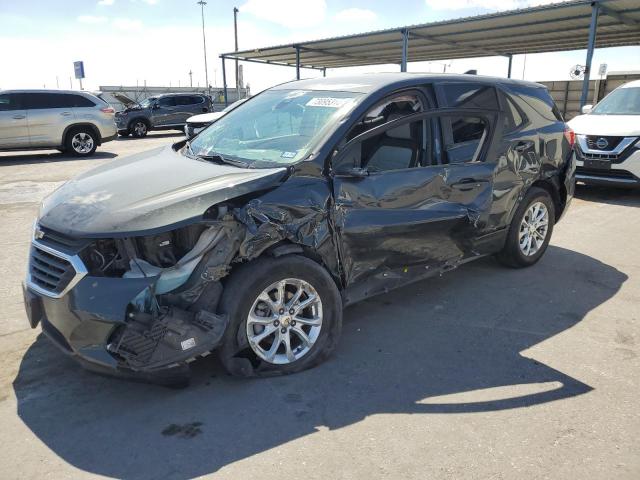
<point x="163" y="112"/>
<point x="250" y="238"/>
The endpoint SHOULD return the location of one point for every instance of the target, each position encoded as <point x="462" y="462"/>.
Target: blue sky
<point x="160" y="41"/>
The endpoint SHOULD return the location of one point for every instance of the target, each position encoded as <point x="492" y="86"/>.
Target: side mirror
<point x="587" y="109"/>
<point x="352" y="172"/>
<point x="155" y="106"/>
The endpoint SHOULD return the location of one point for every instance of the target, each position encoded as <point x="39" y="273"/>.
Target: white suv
<point x="607" y="139"/>
<point x="71" y="121"/>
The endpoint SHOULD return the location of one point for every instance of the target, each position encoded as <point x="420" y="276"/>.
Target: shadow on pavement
<point x="167" y="134"/>
<point x="457" y="335"/>
<point x="627" y="197"/>
<point x="51" y="156"/>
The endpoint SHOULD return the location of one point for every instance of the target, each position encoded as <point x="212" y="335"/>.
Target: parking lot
<point x="485" y="372"/>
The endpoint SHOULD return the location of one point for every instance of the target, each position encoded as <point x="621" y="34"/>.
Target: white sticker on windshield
<point x="327" y="102"/>
<point x="288" y="154"/>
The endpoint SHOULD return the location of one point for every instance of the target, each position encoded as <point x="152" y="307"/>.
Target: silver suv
<point x="67" y="120"/>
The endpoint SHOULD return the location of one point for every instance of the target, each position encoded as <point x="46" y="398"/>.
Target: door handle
<point x="66" y="114"/>
<point x="523" y="146"/>
<point x="19" y="117"/>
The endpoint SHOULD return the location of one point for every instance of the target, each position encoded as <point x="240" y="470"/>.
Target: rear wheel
<point x="285" y="315"/>
<point x="139" y="128"/>
<point x="530" y="230"/>
<point x="81" y="142"/>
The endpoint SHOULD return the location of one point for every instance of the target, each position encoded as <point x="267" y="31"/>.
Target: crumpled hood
<point x="606" y="125"/>
<point x="146" y="193"/>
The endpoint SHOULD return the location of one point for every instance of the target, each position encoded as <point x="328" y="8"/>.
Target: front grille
<point x="50" y="272"/>
<point x="612" y="142"/>
<point x="613" y="173"/>
<point x="597" y="156"/>
<point x="59" y="240"/>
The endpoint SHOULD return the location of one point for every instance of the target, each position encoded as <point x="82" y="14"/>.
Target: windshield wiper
<point x="216" y="157"/>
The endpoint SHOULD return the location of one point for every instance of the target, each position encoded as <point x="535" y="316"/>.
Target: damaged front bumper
<point x="94" y="320"/>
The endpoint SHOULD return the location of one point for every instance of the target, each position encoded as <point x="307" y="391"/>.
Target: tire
<point x="123" y="133"/>
<point x="81" y="141"/>
<point x="139" y="128"/>
<point x="514" y="254"/>
<point x="240" y="296"/>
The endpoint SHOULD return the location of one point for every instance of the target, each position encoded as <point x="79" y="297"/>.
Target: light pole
<point x="235" y="33"/>
<point x="202" y="3"/>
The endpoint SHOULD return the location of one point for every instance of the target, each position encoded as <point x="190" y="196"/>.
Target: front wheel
<point x="139" y="128"/>
<point x="285" y="316"/>
<point x="530" y="230"/>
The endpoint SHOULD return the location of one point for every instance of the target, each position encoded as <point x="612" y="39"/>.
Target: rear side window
<point x="37" y="101"/>
<point x="470" y="95"/>
<point x="538" y="98"/>
<point x="9" y="102"/>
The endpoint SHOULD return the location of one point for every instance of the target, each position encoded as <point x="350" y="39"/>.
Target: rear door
<point x="188" y="106"/>
<point x="14" y="132"/>
<point x="48" y="115"/>
<point x="401" y="208"/>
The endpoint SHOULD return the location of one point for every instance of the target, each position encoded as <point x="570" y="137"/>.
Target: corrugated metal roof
<point x="547" y="28"/>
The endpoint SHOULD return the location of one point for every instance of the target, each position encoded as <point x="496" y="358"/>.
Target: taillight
<point x="570" y="135"/>
<point x="108" y="110"/>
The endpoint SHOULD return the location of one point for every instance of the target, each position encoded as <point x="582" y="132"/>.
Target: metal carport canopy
<point x="547" y="28"/>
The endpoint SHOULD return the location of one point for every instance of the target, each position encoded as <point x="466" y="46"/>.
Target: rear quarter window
<point x="539" y="99"/>
<point x="80" y="101"/>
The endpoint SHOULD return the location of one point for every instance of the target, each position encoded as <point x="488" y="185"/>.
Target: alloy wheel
<point x="284" y="321"/>
<point x="82" y="142"/>
<point x="533" y="229"/>
<point x="140" y="128"/>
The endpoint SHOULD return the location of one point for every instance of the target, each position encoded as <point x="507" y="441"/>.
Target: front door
<point x="164" y="112"/>
<point x="402" y="208"/>
<point x="14" y="132"/>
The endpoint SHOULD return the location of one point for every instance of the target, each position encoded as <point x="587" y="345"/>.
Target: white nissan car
<point x="607" y="139"/>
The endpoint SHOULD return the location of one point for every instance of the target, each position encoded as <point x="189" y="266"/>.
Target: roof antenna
<point x="471" y="72"/>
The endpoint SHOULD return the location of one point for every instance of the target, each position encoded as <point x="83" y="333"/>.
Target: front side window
<point x="277" y="127"/>
<point x="147" y="102"/>
<point x="167" y="102"/>
<point x="622" y="101"/>
<point x="387" y="110"/>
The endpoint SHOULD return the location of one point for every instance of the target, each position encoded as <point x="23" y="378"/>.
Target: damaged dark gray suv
<point x="249" y="239"/>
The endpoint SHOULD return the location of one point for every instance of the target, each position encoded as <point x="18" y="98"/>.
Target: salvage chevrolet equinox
<point x="250" y="238"/>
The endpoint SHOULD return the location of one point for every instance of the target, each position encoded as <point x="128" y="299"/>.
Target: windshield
<point x="147" y="102"/>
<point x="623" y="101"/>
<point x="275" y="127"/>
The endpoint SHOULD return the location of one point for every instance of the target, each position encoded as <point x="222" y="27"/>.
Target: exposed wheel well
<point x="287" y="247"/>
<point x="89" y="126"/>
<point x="558" y="195"/>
